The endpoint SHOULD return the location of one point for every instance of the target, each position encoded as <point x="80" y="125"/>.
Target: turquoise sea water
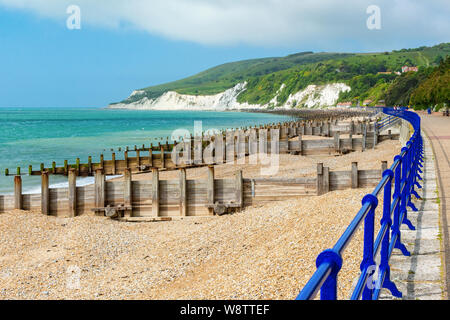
<point x="30" y="136"/>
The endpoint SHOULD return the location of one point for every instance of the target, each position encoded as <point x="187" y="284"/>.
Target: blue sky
<point x="134" y="44"/>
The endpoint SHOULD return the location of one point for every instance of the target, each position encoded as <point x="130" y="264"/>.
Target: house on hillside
<point x="381" y="103"/>
<point x="367" y="102"/>
<point x="344" y="104"/>
<point x="409" y="69"/>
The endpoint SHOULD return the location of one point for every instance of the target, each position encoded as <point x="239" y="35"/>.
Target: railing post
<point x="401" y="206"/>
<point x="407" y="187"/>
<point x="384" y="253"/>
<point x="329" y="287"/>
<point x="368" y="260"/>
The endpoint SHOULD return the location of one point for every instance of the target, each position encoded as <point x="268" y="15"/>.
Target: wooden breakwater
<point x="228" y="145"/>
<point x="322" y="114"/>
<point x="157" y="199"/>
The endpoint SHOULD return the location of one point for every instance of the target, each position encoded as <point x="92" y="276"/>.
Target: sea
<point x="31" y="136"/>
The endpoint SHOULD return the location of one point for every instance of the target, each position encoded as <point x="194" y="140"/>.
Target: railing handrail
<point x="386" y="122"/>
<point x="404" y="172"/>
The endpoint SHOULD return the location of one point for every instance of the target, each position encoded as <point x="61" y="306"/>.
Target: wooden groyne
<point x="157" y="199"/>
<point x="228" y="145"/>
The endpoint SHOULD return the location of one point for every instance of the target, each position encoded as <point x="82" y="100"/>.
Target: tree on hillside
<point x="434" y="90"/>
<point x="399" y="93"/>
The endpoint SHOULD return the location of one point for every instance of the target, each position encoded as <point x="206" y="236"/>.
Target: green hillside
<point x="265" y="76"/>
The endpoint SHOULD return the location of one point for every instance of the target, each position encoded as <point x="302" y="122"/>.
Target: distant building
<point x="367" y="102"/>
<point x="344" y="104"/>
<point x="381" y="103"/>
<point x="408" y="69"/>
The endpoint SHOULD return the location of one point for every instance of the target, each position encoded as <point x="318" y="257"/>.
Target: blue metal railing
<point x="404" y="174"/>
<point x="387" y="122"/>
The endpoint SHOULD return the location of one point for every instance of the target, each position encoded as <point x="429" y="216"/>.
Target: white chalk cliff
<point x="313" y="96"/>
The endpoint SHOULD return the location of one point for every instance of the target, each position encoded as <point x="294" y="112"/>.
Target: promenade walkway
<point x="419" y="276"/>
<point x="437" y="127"/>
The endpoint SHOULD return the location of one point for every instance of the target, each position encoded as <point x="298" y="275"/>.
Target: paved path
<point x="419" y="276"/>
<point x="437" y="128"/>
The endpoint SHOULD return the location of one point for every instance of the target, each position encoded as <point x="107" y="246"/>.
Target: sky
<point x="124" y="45"/>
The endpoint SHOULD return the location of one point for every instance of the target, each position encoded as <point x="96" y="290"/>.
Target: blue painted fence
<point x="404" y="176"/>
<point x="387" y="122"/>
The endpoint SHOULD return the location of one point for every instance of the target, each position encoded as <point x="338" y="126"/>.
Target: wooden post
<point x="187" y="151"/>
<point x="77" y="165"/>
<point x="183" y="193"/>
<point x="66" y="167"/>
<point x="364" y="136"/>
<point x="72" y="192"/>
<point x="319" y="179"/>
<point x="162" y="157"/>
<point x="239" y="189"/>
<point x="99" y="188"/>
<point x="125" y="154"/>
<point x="326" y="180"/>
<point x="262" y="141"/>
<point x="210" y="188"/>
<point x="375" y="134"/>
<point x="300" y="144"/>
<point x="383" y="167"/>
<point x="138" y="159"/>
<point x="354" y="180"/>
<point x="150" y="156"/>
<point x="219" y="149"/>
<point x="102" y="163"/>
<point x="18" y="192"/>
<point x="351" y="141"/>
<point x="53" y="167"/>
<point x="30" y="170"/>
<point x="337" y="144"/>
<point x="390" y="134"/>
<point x="45" y="194"/>
<point x="127" y="192"/>
<point x="155" y="191"/>
<point x="90" y="165"/>
<point x="253" y="142"/>
<point x="113" y="160"/>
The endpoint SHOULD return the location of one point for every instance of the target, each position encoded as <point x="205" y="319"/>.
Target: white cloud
<point x="259" y="22"/>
